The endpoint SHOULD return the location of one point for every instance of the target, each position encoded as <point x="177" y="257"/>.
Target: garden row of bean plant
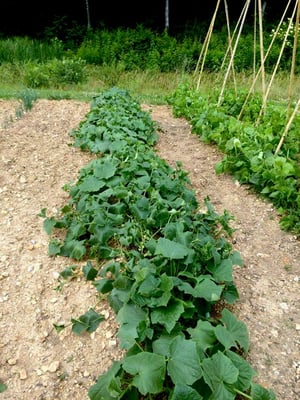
<point x="248" y="140"/>
<point x="164" y="267"/>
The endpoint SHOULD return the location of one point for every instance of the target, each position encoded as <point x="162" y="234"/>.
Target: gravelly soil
<point x="36" y="160"/>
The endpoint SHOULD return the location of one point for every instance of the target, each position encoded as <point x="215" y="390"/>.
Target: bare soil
<point x="36" y="160"/>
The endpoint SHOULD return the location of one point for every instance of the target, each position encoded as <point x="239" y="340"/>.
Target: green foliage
<point x="23" y="49"/>
<point x="250" y="149"/>
<point x="55" y="73"/>
<point x="162" y="265"/>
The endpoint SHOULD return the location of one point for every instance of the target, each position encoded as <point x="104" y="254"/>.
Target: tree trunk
<point x="89" y="26"/>
<point x="167" y="13"/>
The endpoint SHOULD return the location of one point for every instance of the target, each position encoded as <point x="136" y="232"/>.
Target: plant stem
<point x="243" y="394"/>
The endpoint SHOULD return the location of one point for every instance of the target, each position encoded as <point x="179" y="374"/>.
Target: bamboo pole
<point x="288" y="125"/>
<point x="254" y="39"/>
<point x="261" y="46"/>
<point x="229" y="48"/>
<point x="295" y="45"/>
<point x="233" y="36"/>
<point x="266" y="56"/>
<point x="265" y="99"/>
<point x="245" y="10"/>
<point x="204" y="49"/>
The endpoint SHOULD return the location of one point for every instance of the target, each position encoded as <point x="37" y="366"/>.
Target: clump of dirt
<point x="36" y="160"/>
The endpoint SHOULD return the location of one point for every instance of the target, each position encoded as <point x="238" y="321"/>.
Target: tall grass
<point x="23" y="49"/>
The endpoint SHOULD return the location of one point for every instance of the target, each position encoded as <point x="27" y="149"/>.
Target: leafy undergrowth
<point x="249" y="144"/>
<point x="164" y="267"/>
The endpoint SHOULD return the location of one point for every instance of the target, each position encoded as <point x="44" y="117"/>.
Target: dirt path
<point x="36" y="160"/>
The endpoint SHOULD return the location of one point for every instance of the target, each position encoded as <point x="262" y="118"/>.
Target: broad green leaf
<point x="54" y="248"/>
<point x="162" y="344"/>
<point x="49" y="224"/>
<point x="220" y="373"/>
<point x="171" y="249"/>
<point x="203" y="334"/>
<point x="104" y="285"/>
<point x="91" y="184"/>
<point x="149" y="286"/>
<point x="101" y="389"/>
<point x="148" y="370"/>
<point x="260" y="393"/>
<point x="129" y="316"/>
<point x="104" y="169"/>
<point x="73" y="249"/>
<point x="246" y="372"/>
<point x="87" y="322"/>
<point x="185" y="392"/>
<point x="234" y="333"/>
<point x="89" y="271"/>
<point x="223" y="271"/>
<point x="169" y="315"/>
<point x="207" y="289"/>
<point x="184" y="364"/>
<point x="3" y="387"/>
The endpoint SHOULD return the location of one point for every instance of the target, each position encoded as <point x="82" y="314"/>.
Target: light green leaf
<point x="149" y="371"/>
<point x="91" y="184"/>
<point x="169" y="315"/>
<point x="3" y="387"/>
<point x="49" y="224"/>
<point x="185" y="392"/>
<point x="219" y="373"/>
<point x="104" y="169"/>
<point x="170" y="249"/>
<point x="184" y="364"/>
<point x="207" y="289"/>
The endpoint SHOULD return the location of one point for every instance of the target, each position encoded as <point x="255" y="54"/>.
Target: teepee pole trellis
<point x="266" y="56"/>
<point x="229" y="48"/>
<point x="204" y="49"/>
<point x="254" y="39"/>
<point x="245" y="10"/>
<point x="287" y="127"/>
<point x="295" y="45"/>
<point x="261" y="46"/>
<point x="265" y="99"/>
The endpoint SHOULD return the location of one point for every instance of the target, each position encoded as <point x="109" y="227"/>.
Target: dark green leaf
<point x="102" y="389"/>
<point x="203" y="334"/>
<point x="185" y="392"/>
<point x="148" y="370"/>
<point x="89" y="271"/>
<point x="87" y="322"/>
<point x="184" y="364"/>
<point x="169" y="315"/>
<point x="104" y="285"/>
<point x="234" y="333"/>
<point x="246" y="372"/>
<point x="260" y="393"/>
<point x="220" y="373"/>
<point x="130" y="316"/>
